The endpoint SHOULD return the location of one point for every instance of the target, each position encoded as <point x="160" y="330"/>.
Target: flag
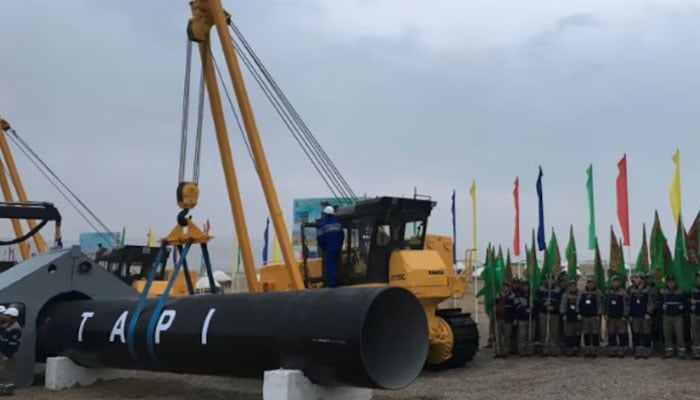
<point x="622" y="200"/>
<point x="691" y="241"/>
<point x="571" y="260"/>
<point x="516" y="234"/>
<point x="592" y="239"/>
<point x="661" y="263"/>
<point x="552" y="260"/>
<point x="500" y="269"/>
<point x="675" y="190"/>
<point x="454" y="229"/>
<point x="533" y="271"/>
<point x="683" y="270"/>
<point x="541" y="244"/>
<point x="472" y="193"/>
<point x="123" y="236"/>
<point x="150" y="240"/>
<point x="488" y="292"/>
<point x="642" y="264"/>
<point x="275" y="249"/>
<point x="598" y="271"/>
<point x="508" y="274"/>
<point x="265" y="239"/>
<point x="617" y="261"/>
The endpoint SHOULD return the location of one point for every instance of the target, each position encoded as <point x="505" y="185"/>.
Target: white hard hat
<point x="2" y="309"/>
<point x="329" y="210"/>
<point x="12" y="312"/>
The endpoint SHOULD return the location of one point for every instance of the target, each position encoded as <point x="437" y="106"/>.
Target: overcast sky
<point x="399" y="93"/>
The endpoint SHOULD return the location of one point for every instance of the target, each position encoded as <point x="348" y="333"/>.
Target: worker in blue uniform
<point x="330" y="237"/>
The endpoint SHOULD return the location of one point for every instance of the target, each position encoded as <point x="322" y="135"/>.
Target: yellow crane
<point x="8" y="166"/>
<point x="380" y="249"/>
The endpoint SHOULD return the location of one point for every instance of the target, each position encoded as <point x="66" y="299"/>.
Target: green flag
<point x="642" y="264"/>
<point x="552" y="258"/>
<point x="571" y="260"/>
<point x="598" y="271"/>
<point x="488" y="276"/>
<point x="661" y="261"/>
<point x="617" y="260"/>
<point x="533" y="271"/>
<point x="683" y="270"/>
<point x="123" y="237"/>
<point x="508" y="268"/>
<point x="500" y="269"/>
<point x="592" y="239"/>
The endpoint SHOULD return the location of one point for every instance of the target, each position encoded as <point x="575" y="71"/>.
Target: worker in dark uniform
<point x="641" y="309"/>
<point x="549" y="300"/>
<point x="657" y="316"/>
<point x="616" y="314"/>
<point x="505" y="313"/>
<point x="590" y="308"/>
<point x="571" y="319"/>
<point x="330" y="237"/>
<point x="9" y="344"/>
<point x="523" y="314"/>
<point x="515" y="286"/>
<point x="671" y="301"/>
<point x="695" y="316"/>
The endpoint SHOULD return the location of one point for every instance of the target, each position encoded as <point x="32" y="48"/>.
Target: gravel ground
<point x="485" y="378"/>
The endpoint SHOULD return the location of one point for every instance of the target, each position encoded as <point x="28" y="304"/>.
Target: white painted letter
<point x="118" y="328"/>
<point x="164" y="321"/>
<point x="85" y="315"/>
<point x="205" y="327"/>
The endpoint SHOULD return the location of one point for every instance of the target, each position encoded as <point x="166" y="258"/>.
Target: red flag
<point x="516" y="234"/>
<point x="622" y="210"/>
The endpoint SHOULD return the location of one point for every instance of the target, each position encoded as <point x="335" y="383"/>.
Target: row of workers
<point x="578" y="314"/>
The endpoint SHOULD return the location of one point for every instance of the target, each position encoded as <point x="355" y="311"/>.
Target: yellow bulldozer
<point x="382" y="248"/>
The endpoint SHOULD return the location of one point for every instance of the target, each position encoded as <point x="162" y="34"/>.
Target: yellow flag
<point x="675" y="191"/>
<point x="275" y="249"/>
<point x="472" y="193"/>
<point x="150" y="238"/>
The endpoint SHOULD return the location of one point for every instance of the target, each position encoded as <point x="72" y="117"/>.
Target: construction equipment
<point x="7" y="165"/>
<point x="382" y="248"/>
<point x="130" y="263"/>
<point x="422" y="264"/>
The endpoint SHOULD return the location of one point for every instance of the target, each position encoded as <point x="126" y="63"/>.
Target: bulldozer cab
<point x="374" y="228"/>
<point x="131" y="263"/>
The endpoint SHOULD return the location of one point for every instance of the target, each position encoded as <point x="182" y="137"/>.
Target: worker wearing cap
<point x="523" y="315"/>
<point x="657" y="336"/>
<point x="505" y="315"/>
<point x="617" y="311"/>
<point x="590" y="306"/>
<point x="9" y="344"/>
<point x="572" y="319"/>
<point x="549" y="301"/>
<point x="695" y="316"/>
<point x="330" y="239"/>
<point x="642" y="307"/>
<point x="671" y="301"/>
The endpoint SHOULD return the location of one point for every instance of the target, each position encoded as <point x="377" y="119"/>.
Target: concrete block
<point x="62" y="373"/>
<point x="284" y="384"/>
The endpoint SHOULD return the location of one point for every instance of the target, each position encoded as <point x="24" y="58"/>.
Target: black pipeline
<point x="366" y="337"/>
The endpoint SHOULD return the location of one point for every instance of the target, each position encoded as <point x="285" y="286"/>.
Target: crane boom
<point x="205" y="14"/>
<point x="9" y="162"/>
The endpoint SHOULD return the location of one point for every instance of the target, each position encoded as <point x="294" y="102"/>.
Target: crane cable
<point x="303" y="138"/>
<point x="46" y="171"/>
<point x="291" y="117"/>
<point x="185" y="120"/>
<point x="233" y="109"/>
